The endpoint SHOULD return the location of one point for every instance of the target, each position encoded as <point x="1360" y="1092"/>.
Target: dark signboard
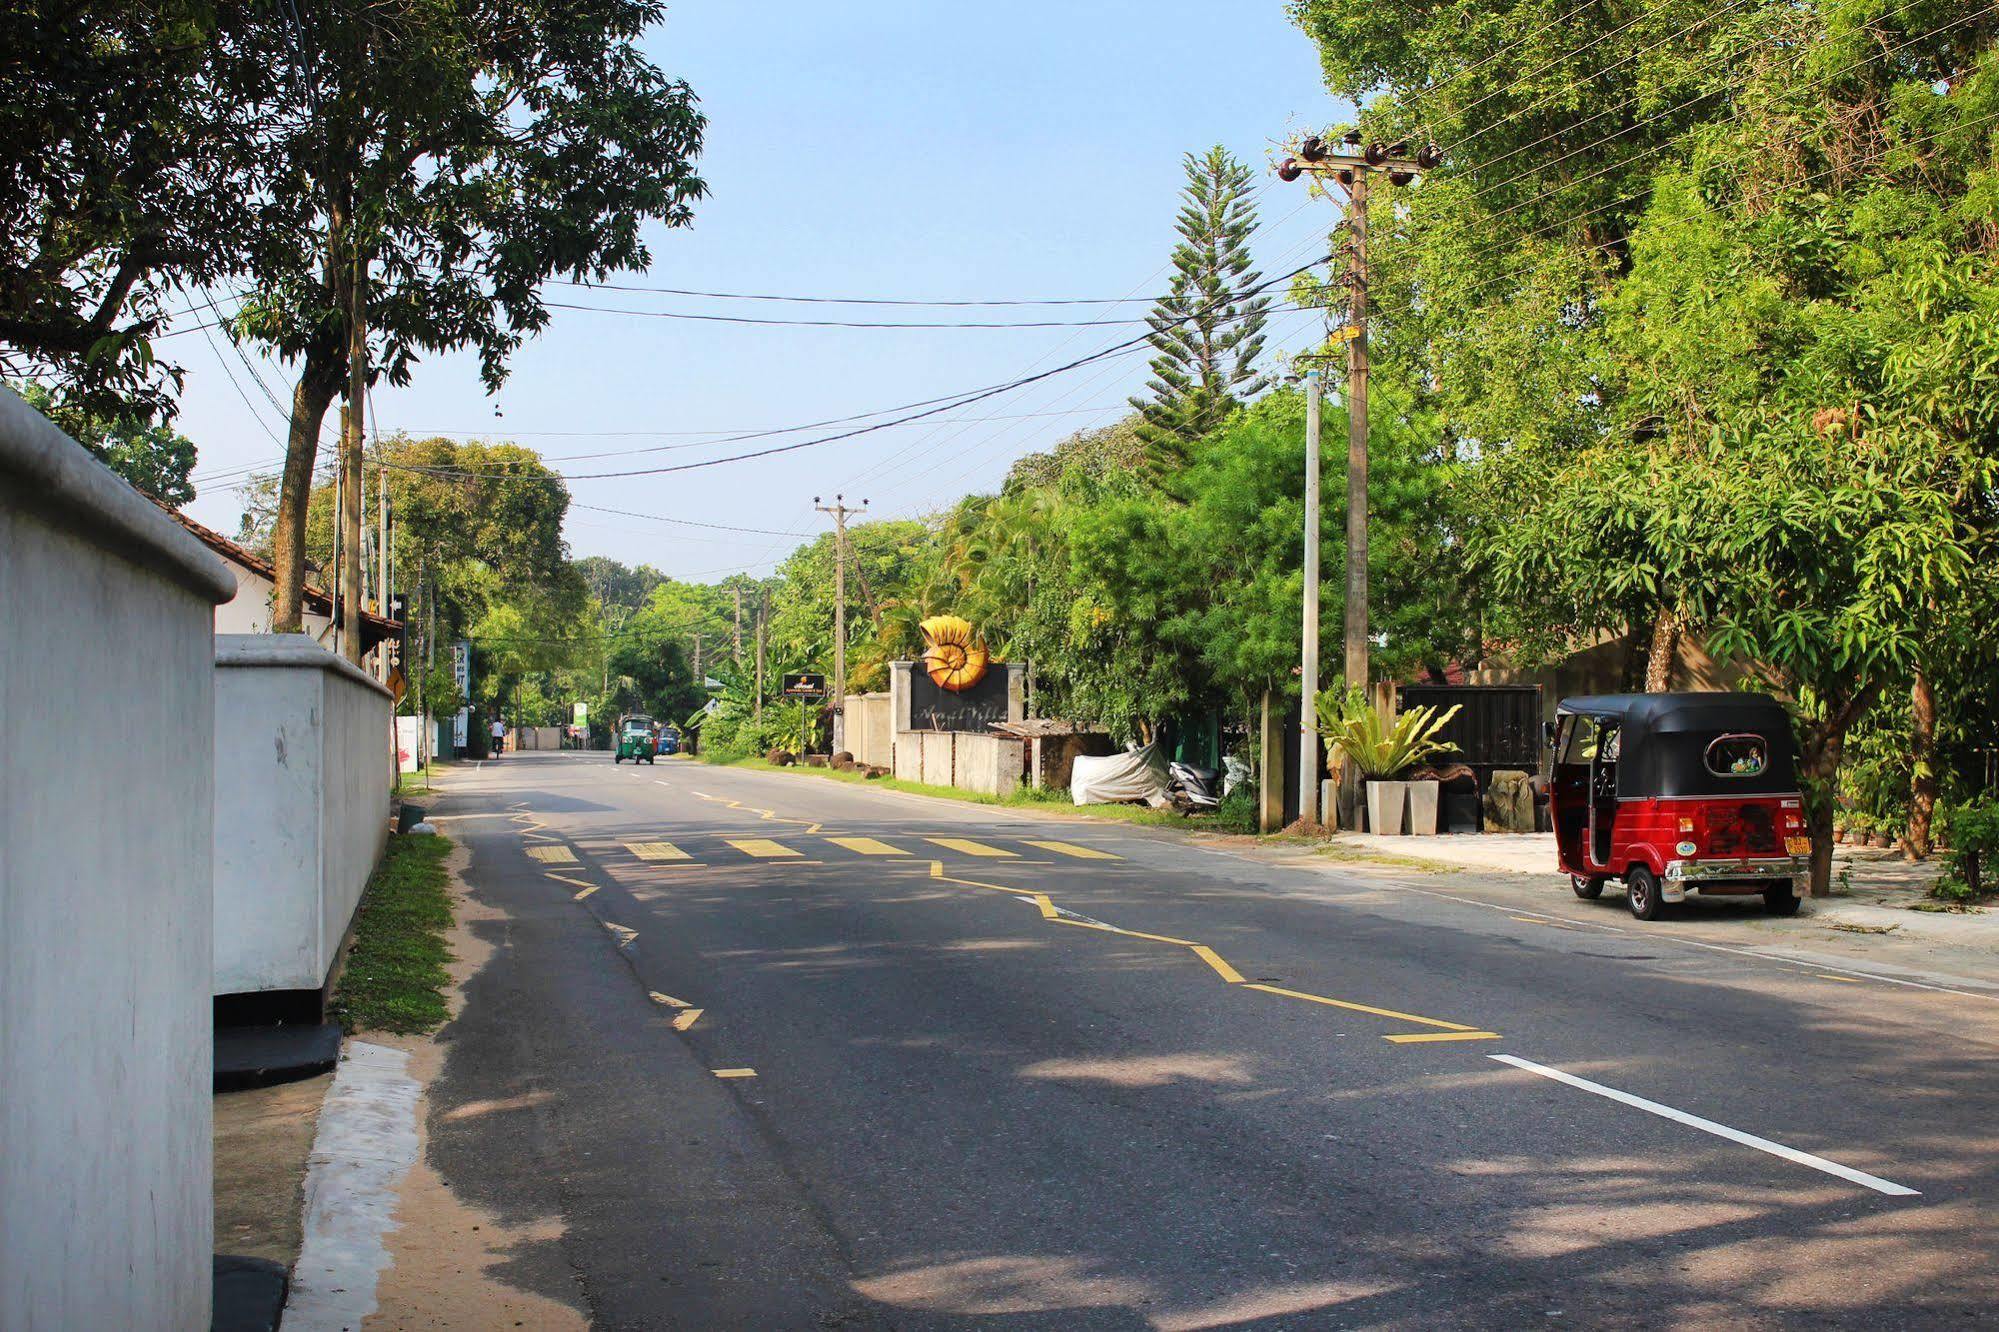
<point x="934" y="708"/>
<point x="805" y="684"/>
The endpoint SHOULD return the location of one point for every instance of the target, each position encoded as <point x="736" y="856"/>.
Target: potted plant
<point x="1382" y="751"/>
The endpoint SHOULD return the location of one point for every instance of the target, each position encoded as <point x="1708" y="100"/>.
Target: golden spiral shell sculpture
<point x="953" y="656"/>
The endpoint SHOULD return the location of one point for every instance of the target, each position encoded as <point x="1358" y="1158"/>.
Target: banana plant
<point x="1350" y="724"/>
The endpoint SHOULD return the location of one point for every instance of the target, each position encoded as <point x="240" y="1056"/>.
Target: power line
<point x="842" y="323"/>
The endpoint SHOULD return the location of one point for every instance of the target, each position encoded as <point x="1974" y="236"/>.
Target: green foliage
<point x="395" y="979"/>
<point x="132" y="176"/>
<point x="1208" y="327"/>
<point x="1351" y="725"/>
<point x="153" y="457"/>
<point x="1973" y="830"/>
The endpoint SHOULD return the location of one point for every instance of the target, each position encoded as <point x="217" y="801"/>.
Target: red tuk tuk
<point x="1678" y="792"/>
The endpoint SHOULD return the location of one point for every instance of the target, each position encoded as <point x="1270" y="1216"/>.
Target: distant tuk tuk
<point x="669" y="741"/>
<point x="1673" y="793"/>
<point x="635" y="740"/>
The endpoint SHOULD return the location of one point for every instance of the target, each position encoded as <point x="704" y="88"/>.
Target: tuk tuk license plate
<point x="1797" y="846"/>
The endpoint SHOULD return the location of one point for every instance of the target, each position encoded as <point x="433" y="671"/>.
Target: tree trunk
<point x="1923" y="780"/>
<point x="311" y="397"/>
<point x="1818" y="764"/>
<point x="1665" y="651"/>
<point x="1820" y="750"/>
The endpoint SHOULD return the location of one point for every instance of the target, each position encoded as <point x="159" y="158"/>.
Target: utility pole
<point x="350" y="449"/>
<point x="339" y="522"/>
<point x="382" y="560"/>
<point x="738" y="652"/>
<point x="1352" y="165"/>
<point x="700" y="680"/>
<point x="1308" y="734"/>
<point x="763" y="599"/>
<point x="840" y="511"/>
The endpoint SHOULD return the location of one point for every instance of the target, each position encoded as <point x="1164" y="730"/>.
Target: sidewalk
<point x="1874" y="890"/>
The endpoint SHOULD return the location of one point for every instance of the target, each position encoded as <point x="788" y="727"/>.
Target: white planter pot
<point x="1387" y="804"/>
<point x="1423" y="808"/>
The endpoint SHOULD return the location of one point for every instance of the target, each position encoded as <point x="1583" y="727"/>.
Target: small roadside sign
<point x="805" y="684"/>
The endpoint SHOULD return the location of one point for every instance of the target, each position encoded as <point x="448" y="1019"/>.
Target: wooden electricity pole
<point x="1352" y="165"/>
<point x="738" y="650"/>
<point x="840" y="512"/>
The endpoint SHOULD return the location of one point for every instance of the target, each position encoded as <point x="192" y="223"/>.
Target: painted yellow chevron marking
<point x="564" y="878"/>
<point x="867" y="846"/>
<point x="763" y="848"/>
<point x="1071" y="849"/>
<point x="584" y="893"/>
<point x="656" y="851"/>
<point x="553" y="855"/>
<point x="966" y="846"/>
<point x="625" y="934"/>
<point x="667" y="1000"/>
<point x="735" y="1072"/>
<point x="687" y="1018"/>
<point x="1214" y="959"/>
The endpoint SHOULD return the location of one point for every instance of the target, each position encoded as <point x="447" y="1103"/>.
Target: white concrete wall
<point x="988" y="764"/>
<point x="301" y="745"/>
<point x="869" y="735"/>
<point x="106" y="813"/>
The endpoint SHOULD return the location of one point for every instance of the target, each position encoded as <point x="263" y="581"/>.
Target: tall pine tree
<point x="1208" y="328"/>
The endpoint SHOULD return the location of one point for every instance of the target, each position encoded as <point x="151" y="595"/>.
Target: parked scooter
<point x="1194" y="790"/>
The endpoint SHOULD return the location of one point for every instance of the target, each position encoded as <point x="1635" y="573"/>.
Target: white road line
<point x="1860" y="1177"/>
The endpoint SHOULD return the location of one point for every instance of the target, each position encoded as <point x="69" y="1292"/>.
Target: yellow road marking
<point x="564" y="878"/>
<point x="585" y="893"/>
<point x="687" y="1018"/>
<point x="1362" y="1008"/>
<point x="668" y="1000"/>
<point x="1213" y="959"/>
<point x="625" y="933"/>
<point x="1422" y="1037"/>
<point x="735" y="1072"/>
<point x="867" y="846"/>
<point x="1220" y="965"/>
<point x="1071" y="849"/>
<point x="656" y="851"/>
<point x="1844" y="980"/>
<point x="762" y="848"/>
<point x="968" y="847"/>
<point x="553" y="855"/>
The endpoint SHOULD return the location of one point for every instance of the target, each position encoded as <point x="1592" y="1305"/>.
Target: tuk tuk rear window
<point x="1739" y="755"/>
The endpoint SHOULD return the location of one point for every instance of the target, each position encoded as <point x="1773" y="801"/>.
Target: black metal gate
<point x="1497" y="726"/>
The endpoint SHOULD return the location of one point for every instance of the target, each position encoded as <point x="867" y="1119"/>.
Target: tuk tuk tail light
<point x="1686" y="825"/>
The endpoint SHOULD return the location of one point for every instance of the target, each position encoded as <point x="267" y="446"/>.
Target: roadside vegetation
<point x="1237" y="814"/>
<point x="395" y="979"/>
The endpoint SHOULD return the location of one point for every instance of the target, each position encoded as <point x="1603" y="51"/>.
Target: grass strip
<point x="395" y="977"/>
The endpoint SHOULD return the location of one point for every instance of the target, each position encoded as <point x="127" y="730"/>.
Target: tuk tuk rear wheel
<point x="617" y="758"/>
<point x="1781" y="899"/>
<point x="1589" y="887"/>
<point x="1641" y="889"/>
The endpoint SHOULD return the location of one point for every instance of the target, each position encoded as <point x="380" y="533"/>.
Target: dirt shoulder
<point x="443" y="1251"/>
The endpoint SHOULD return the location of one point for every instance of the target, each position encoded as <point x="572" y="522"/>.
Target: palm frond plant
<point x="1379" y="749"/>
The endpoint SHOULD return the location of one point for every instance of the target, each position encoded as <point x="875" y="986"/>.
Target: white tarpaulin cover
<point x="1120" y="778"/>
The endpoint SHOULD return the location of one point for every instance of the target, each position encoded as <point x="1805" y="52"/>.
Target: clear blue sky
<point x="907" y="149"/>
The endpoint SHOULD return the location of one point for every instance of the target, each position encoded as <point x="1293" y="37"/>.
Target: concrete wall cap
<point x="46" y="470"/>
<point x="295" y="651"/>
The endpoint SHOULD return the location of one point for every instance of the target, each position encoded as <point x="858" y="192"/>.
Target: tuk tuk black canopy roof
<point x="1664" y="739"/>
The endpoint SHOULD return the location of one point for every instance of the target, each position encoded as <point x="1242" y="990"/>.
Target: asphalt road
<point x="776" y="1051"/>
